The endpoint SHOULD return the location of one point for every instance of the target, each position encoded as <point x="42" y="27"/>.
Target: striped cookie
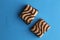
<point x="28" y="14"/>
<point x="40" y="28"/>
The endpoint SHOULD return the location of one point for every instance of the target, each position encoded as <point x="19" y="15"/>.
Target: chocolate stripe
<point x="42" y="23"/>
<point x="39" y="28"/>
<point x="35" y="29"/>
<point x="26" y="16"/>
<point x="33" y="13"/>
<point x="30" y="20"/>
<point x="40" y="31"/>
<point x="47" y="28"/>
<point x="28" y="8"/>
<point x="23" y="16"/>
<point x="44" y="27"/>
<point x="29" y="17"/>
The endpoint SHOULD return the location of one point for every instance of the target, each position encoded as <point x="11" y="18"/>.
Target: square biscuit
<point x="40" y="28"/>
<point x="28" y="14"/>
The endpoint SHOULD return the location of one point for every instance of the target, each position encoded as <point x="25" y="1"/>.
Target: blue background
<point x="13" y="28"/>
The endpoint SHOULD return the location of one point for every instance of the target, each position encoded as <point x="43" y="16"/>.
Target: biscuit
<point x="28" y="14"/>
<point x="40" y="28"/>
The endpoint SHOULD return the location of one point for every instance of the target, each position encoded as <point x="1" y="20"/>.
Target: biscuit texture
<point x="40" y="28"/>
<point x="28" y="14"/>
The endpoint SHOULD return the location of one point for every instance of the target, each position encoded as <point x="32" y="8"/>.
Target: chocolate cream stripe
<point x="29" y="9"/>
<point x="40" y="31"/>
<point x="36" y="30"/>
<point x="29" y="19"/>
<point x="24" y="15"/>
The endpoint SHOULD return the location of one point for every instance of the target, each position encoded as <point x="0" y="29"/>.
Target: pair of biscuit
<point x="40" y="26"/>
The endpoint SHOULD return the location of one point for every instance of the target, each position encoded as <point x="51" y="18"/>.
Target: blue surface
<point x="13" y="28"/>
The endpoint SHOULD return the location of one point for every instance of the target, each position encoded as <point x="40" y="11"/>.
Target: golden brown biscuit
<point x="40" y="28"/>
<point x="28" y="14"/>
